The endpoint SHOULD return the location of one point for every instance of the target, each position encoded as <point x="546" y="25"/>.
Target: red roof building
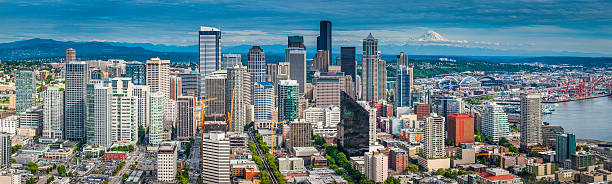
<point x="497" y="175"/>
<point x="460" y="128"/>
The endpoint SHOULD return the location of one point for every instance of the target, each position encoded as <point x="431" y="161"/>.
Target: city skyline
<point x="539" y="28"/>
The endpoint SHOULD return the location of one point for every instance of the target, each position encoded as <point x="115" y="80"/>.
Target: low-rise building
<point x="290" y="164"/>
<point x="496" y="175"/>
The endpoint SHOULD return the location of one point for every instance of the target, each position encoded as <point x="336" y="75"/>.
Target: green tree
<point x="50" y="179"/>
<point x="32" y="167"/>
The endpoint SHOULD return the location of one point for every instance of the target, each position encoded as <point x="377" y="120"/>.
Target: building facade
<point x="370" y="63"/>
<point x="296" y="70"/>
<point x="531" y="120"/>
<point x="230" y="60"/>
<point x="460" y="128"/>
<point x="137" y="71"/>
<point x="433" y="138"/>
<point x="256" y="63"/>
<point x="25" y="86"/>
<point x="157" y="114"/>
<point x="209" y="41"/>
<point x="53" y="113"/>
<point x="77" y="77"/>
<point x="99" y="99"/>
<point x="216" y="158"/>
<point x="158" y="75"/>
<point x="166" y="162"/>
<point x="494" y="122"/>
<point x="288" y="96"/>
<point x="185" y="122"/>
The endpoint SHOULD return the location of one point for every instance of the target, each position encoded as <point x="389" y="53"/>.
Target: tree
<point x="32" y="167"/>
<point x="50" y="179"/>
<point x="392" y="180"/>
<point x="61" y="170"/>
<point x="412" y="168"/>
<point x="15" y="148"/>
<point x="89" y="155"/>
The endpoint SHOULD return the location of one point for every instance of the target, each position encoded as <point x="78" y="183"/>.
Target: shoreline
<point x="577" y="99"/>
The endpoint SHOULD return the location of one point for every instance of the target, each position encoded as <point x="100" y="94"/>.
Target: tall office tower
<point x="283" y="70"/>
<point x="70" y="55"/>
<point x="354" y="128"/>
<point x="125" y="107"/>
<point x="288" y="96"/>
<point x="53" y="113"/>
<point x="31" y="118"/>
<point x="422" y="110"/>
<point x="565" y="147"/>
<point x="137" y="71"/>
<point x="321" y="61"/>
<point x="143" y="94"/>
<point x="166" y="162"/>
<point x="296" y="41"/>
<point x="157" y="118"/>
<point x="158" y="75"/>
<point x="238" y="85"/>
<point x="434" y="137"/>
<point x="369" y="75"/>
<point x="216" y="158"/>
<point x="382" y="80"/>
<point x="531" y="120"/>
<point x="210" y="54"/>
<point x="348" y="63"/>
<point x="263" y="100"/>
<point x="190" y="82"/>
<point x="460" y="128"/>
<point x="25" y="85"/>
<point x="256" y="64"/>
<point x="447" y="105"/>
<point x="300" y="134"/>
<point x="297" y="66"/>
<point x="75" y="100"/>
<point x="5" y="151"/>
<point x="99" y="120"/>
<point x="376" y="166"/>
<point x="176" y="88"/>
<point x="229" y="60"/>
<point x="403" y="86"/>
<point x="185" y="123"/>
<point x="494" y="122"/>
<point x="327" y="88"/>
<point x="272" y="73"/>
<point x="215" y="88"/>
<point x="402" y="59"/>
<point x="324" y="40"/>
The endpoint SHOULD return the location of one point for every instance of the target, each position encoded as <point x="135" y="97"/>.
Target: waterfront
<point x="587" y="119"/>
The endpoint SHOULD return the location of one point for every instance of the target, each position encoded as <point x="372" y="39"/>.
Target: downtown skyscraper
<point x="288" y="96"/>
<point x="25" y="85"/>
<point x="209" y="42"/>
<point x="238" y="96"/>
<point x="75" y="110"/>
<point x="494" y="121"/>
<point x="531" y="120"/>
<point x="256" y="64"/>
<point x="53" y="113"/>
<point x="158" y="76"/>
<point x="296" y="57"/>
<point x="370" y="74"/>
<point x="324" y="40"/>
<point x="348" y="64"/>
<point x="403" y="86"/>
<point x="99" y="120"/>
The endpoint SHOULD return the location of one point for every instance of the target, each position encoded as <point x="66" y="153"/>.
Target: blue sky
<point x="533" y="25"/>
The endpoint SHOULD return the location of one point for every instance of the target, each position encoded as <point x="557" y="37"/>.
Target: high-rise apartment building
<point x="124" y="108"/>
<point x="70" y="55"/>
<point x="324" y="40"/>
<point x="460" y="128"/>
<point x="230" y="60"/>
<point x="296" y="57"/>
<point x="403" y="86"/>
<point x="215" y="88"/>
<point x="137" y="71"/>
<point x="158" y="75"/>
<point x="209" y="41"/>
<point x="494" y="122"/>
<point x="185" y="125"/>
<point x="531" y="120"/>
<point x="143" y="95"/>
<point x="77" y="77"/>
<point x="263" y="100"/>
<point x="216" y="158"/>
<point x="376" y="166"/>
<point x="288" y="96"/>
<point x="176" y="88"/>
<point x="238" y="92"/>
<point x="422" y="110"/>
<point x="99" y="120"/>
<point x="5" y="151"/>
<point x="433" y="138"/>
<point x="53" y="113"/>
<point x="399" y="159"/>
<point x="370" y="76"/>
<point x="25" y="86"/>
<point x="256" y="63"/>
<point x="296" y="41"/>
<point x="327" y="88"/>
<point x="300" y="134"/>
<point x="166" y="162"/>
<point x="157" y="118"/>
<point x="565" y="147"/>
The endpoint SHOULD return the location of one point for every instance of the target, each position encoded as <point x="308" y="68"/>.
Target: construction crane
<point x="501" y="155"/>
<point x="201" y="107"/>
<point x="230" y="115"/>
<point x="271" y="126"/>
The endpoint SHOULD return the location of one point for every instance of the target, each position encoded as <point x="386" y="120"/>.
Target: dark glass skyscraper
<point x="295" y="41"/>
<point x="324" y="41"/>
<point x="137" y="71"/>
<point x="565" y="147"/>
<point x="353" y="130"/>
<point x="348" y="61"/>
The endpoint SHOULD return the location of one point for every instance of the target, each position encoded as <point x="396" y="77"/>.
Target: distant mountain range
<point x="52" y="50"/>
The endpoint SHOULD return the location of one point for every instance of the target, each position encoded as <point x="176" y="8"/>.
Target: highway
<point x="263" y="157"/>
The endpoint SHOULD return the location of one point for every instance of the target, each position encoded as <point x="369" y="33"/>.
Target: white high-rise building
<point x="434" y="137"/>
<point x="5" y="151"/>
<point x="230" y="60"/>
<point x="99" y="114"/>
<point x="157" y="112"/>
<point x="263" y="100"/>
<point x="209" y="39"/>
<point x="238" y="84"/>
<point x="376" y="166"/>
<point x="216" y="158"/>
<point x="323" y="117"/>
<point x="531" y="120"/>
<point x="171" y="112"/>
<point x="124" y="111"/>
<point x="158" y="75"/>
<point x="142" y="93"/>
<point x="53" y="113"/>
<point x="166" y="162"/>
<point x="494" y="122"/>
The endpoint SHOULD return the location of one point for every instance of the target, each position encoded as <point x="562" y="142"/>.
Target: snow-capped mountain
<point x="431" y="36"/>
